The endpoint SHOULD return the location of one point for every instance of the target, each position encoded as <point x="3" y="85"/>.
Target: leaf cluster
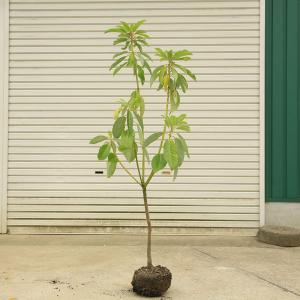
<point x="127" y="137"/>
<point x="132" y="40"/>
<point x="172" y="76"/>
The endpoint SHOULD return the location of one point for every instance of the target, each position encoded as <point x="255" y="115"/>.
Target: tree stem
<point x="149" y="227"/>
<point x="135" y="72"/>
<point x="164" y="130"/>
<point x="138" y="168"/>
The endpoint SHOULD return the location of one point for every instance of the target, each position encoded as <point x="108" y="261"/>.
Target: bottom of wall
<point x="283" y="214"/>
<point x="130" y="230"/>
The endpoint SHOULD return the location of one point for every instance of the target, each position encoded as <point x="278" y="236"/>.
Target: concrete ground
<point x="101" y="267"/>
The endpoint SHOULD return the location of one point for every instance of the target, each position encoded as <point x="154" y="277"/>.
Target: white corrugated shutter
<point x="62" y="94"/>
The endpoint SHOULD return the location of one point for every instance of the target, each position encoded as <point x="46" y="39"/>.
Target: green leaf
<point x="141" y="74"/>
<point x="158" y="162"/>
<point x="182" y="55"/>
<point x="142" y="41"/>
<point x="129" y="121"/>
<point x="136" y="25"/>
<point x="119" y="41"/>
<point x="113" y="146"/>
<point x="111" y="164"/>
<point x="139" y="119"/>
<point x="184" y="144"/>
<point x="186" y="71"/>
<point x="182" y="83"/>
<point x="175" y="173"/>
<point x="125" y="46"/>
<point x="181" y="118"/>
<point x="128" y="146"/>
<point x="162" y="54"/>
<point x="147" y="155"/>
<point x="175" y="74"/>
<point x="141" y="136"/>
<point x="118" y="61"/>
<point x="152" y="138"/>
<point x="103" y="151"/>
<point x="180" y="151"/>
<point x="118" y="127"/>
<point x="184" y="127"/>
<point x="131" y="60"/>
<point x="146" y="55"/>
<point x="142" y="106"/>
<point x="174" y="100"/>
<point x="156" y="73"/>
<point x="120" y="53"/>
<point x="146" y="65"/>
<point x="117" y="69"/>
<point x="98" y="139"/>
<point x="142" y="35"/>
<point x="125" y="25"/>
<point x="159" y="87"/>
<point x="170" y="154"/>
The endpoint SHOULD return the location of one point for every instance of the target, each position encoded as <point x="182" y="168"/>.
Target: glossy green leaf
<point x="98" y="139"/>
<point x="162" y="54"/>
<point x="152" y="138"/>
<point x="111" y="164"/>
<point x="136" y="25"/>
<point x="118" y="127"/>
<point x="147" y="155"/>
<point x="175" y="173"/>
<point x="141" y="74"/>
<point x="158" y="162"/>
<point x="186" y="71"/>
<point x="117" y="69"/>
<point x="103" y="151"/>
<point x="139" y="119"/>
<point x="141" y="136"/>
<point x="128" y="145"/>
<point x="182" y="83"/>
<point x="174" y="100"/>
<point x="184" y="144"/>
<point x="126" y="26"/>
<point x="146" y="55"/>
<point x="170" y="154"/>
<point x="129" y="121"/>
<point x="118" y="61"/>
<point x="184" y="127"/>
<point x="146" y="65"/>
<point x="116" y="29"/>
<point x="155" y="74"/>
<point x="119" y="41"/>
<point x="120" y="53"/>
<point x="182" y="55"/>
<point x="180" y="151"/>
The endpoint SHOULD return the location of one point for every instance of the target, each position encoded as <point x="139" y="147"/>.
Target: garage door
<point x="62" y="94"/>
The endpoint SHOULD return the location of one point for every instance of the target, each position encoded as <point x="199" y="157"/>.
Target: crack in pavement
<point x="251" y="273"/>
<point x="205" y="253"/>
<point x="270" y="282"/>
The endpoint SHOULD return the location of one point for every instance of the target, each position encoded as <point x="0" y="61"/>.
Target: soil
<point x="151" y="281"/>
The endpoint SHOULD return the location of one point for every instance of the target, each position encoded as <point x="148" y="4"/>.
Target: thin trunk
<point x="149" y="227"/>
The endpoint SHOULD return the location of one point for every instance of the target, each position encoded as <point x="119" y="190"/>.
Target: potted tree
<point x="127" y="140"/>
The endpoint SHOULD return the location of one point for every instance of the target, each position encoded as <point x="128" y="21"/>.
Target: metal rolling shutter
<point x="62" y="94"/>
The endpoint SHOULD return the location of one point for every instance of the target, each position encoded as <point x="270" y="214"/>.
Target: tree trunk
<point x="149" y="227"/>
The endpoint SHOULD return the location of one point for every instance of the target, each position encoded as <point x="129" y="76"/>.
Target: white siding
<point x="62" y="94"/>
